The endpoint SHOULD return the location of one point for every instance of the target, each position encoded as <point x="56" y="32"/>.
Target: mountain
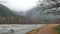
<point x="5" y="11"/>
<point x="40" y="14"/>
<point x="32" y="12"/>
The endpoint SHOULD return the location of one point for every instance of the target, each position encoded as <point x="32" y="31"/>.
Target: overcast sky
<point x="20" y="4"/>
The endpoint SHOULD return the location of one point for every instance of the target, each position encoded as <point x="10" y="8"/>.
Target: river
<point x="18" y="29"/>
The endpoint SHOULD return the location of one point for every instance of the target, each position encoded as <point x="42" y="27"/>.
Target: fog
<point x="20" y="5"/>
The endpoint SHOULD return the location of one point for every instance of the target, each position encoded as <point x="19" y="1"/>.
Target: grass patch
<point x="57" y="29"/>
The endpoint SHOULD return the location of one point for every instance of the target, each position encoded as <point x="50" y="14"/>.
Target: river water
<point x="18" y="29"/>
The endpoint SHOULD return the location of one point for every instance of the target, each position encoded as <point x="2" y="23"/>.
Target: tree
<point x="48" y="4"/>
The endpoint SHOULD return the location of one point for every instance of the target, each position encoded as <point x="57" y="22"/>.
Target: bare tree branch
<point x="48" y="4"/>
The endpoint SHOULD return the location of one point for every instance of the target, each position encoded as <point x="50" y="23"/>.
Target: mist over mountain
<point x="40" y="14"/>
<point x="32" y="12"/>
<point x="5" y="11"/>
<point x="35" y="12"/>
